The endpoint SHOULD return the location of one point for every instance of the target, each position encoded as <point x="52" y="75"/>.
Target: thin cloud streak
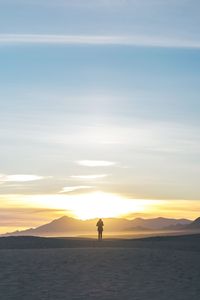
<point x="19" y="178"/>
<point x="89" y="176"/>
<point x="68" y="189"/>
<point x="95" y="163"/>
<point x="137" y="40"/>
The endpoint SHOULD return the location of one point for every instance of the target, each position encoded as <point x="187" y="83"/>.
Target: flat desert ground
<point x="54" y="269"/>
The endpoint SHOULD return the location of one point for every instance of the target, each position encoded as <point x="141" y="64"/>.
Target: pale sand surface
<point x="135" y="273"/>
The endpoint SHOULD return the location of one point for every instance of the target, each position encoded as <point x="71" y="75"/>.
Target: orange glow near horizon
<point x="25" y="211"/>
<point x="100" y="204"/>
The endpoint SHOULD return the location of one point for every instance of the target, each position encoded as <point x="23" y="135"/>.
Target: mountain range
<point x="66" y="226"/>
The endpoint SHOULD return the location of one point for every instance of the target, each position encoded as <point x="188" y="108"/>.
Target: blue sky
<point x="100" y="81"/>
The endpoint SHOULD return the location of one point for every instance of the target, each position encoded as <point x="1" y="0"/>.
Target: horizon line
<point x="98" y="40"/>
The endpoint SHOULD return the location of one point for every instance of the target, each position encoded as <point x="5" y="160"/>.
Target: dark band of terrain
<point x="184" y="242"/>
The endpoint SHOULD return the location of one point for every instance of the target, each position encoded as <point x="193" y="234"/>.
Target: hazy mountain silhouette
<point x="195" y="225"/>
<point x="158" y="223"/>
<point x="66" y="226"/>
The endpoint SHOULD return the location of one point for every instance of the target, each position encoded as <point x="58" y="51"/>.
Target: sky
<point x="99" y="109"/>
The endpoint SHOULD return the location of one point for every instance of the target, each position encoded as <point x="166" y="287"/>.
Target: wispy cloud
<point x="68" y="189"/>
<point x="95" y="163"/>
<point x="19" y="178"/>
<point x="136" y="40"/>
<point x="96" y="176"/>
<point x="68" y="3"/>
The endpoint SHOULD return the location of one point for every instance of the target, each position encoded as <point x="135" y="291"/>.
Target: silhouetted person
<point x="100" y="229"/>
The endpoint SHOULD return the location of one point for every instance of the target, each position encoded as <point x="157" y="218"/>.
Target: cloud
<point x="136" y="40"/>
<point x="68" y="3"/>
<point x="69" y="189"/>
<point x="89" y="176"/>
<point x="95" y="163"/>
<point x="19" y="178"/>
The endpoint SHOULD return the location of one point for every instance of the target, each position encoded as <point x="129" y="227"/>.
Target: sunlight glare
<point x="92" y="205"/>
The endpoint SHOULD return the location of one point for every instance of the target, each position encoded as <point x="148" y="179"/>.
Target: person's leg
<point x="99" y="236"/>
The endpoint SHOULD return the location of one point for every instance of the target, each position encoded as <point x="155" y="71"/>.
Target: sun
<point x="101" y="205"/>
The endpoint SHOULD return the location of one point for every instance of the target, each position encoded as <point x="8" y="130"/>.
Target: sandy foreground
<point x="156" y="269"/>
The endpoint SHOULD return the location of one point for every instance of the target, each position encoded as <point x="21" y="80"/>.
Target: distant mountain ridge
<point x="195" y="225"/>
<point x="159" y="222"/>
<point x="66" y="226"/>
